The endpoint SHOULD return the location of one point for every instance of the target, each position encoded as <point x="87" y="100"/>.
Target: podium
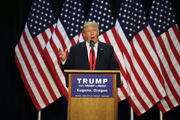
<point x="92" y="94"/>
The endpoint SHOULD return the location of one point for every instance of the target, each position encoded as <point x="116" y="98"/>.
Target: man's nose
<point x="92" y="33"/>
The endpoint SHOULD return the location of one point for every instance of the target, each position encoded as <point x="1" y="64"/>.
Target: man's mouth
<point x="92" y="37"/>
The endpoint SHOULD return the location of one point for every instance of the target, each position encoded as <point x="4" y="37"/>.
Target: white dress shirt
<point x="89" y="48"/>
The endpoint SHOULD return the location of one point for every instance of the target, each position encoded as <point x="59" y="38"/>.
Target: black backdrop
<point x="15" y="102"/>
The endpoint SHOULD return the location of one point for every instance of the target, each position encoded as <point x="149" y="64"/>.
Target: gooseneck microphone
<point x="92" y="45"/>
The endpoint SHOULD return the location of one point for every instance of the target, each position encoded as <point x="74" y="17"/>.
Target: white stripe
<point x="56" y="65"/>
<point x="165" y="105"/>
<point x="136" y="101"/>
<point x="48" y="31"/>
<point x="41" y="41"/>
<point x="116" y="48"/>
<point x="148" y="66"/>
<point x="169" y="73"/>
<point x="29" y="79"/>
<point x="165" y="64"/>
<point x="135" y="82"/>
<point x="123" y="37"/>
<point x="44" y="68"/>
<point x="128" y="47"/>
<point x="76" y="38"/>
<point x="174" y="40"/>
<point x="34" y="68"/>
<point x="64" y="35"/>
<point x="132" y="95"/>
<point x="119" y="55"/>
<point x="125" y="85"/>
<point x="170" y="54"/>
<point x="170" y="95"/>
<point x="33" y="65"/>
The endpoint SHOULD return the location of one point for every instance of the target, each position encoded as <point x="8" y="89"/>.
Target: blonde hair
<point x="90" y="23"/>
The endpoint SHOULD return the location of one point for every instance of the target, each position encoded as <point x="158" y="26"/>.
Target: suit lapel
<point x="84" y="55"/>
<point x="99" y="54"/>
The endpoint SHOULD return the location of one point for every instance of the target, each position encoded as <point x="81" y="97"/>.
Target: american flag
<point x="167" y="42"/>
<point x="100" y="12"/>
<point x="29" y="57"/>
<point x="67" y="32"/>
<point x="143" y="70"/>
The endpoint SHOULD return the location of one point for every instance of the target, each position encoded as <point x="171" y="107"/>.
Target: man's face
<point x="91" y="33"/>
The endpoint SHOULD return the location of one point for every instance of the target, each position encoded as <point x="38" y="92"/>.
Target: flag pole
<point x="132" y="115"/>
<point x="39" y="115"/>
<point x="161" y="115"/>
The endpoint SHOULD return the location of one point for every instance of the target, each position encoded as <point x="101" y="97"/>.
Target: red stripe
<point x="117" y="39"/>
<point x="161" y="107"/>
<point x="45" y="37"/>
<point x="136" y="76"/>
<point x="38" y="66"/>
<point x="162" y="45"/>
<point x="29" y="67"/>
<point x="134" y="106"/>
<point x="121" y="68"/>
<point x="146" y="73"/>
<point x="174" y="51"/>
<point x="150" y="39"/>
<point x="53" y="69"/>
<point x="132" y="84"/>
<point x="144" y="69"/>
<point x="176" y="31"/>
<point x="123" y="48"/>
<point x="134" y="88"/>
<point x="169" y="83"/>
<point x="72" y="41"/>
<point x="58" y="34"/>
<point x="169" y="102"/>
<point x="37" y="105"/>
<point x="37" y="43"/>
<point x="52" y="28"/>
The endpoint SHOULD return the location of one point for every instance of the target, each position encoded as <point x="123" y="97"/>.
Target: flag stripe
<point x="39" y="64"/>
<point x="54" y="65"/>
<point x="106" y="38"/>
<point x="33" y="92"/>
<point x="166" y="56"/>
<point x="173" y="53"/>
<point x="28" y="60"/>
<point x="151" y="72"/>
<point x="29" y="51"/>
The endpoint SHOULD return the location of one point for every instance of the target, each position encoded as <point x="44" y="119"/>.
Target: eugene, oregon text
<point x="93" y="83"/>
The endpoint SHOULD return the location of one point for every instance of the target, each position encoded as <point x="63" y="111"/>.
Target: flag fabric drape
<point x="29" y="53"/>
<point x="143" y="71"/>
<point x="66" y="34"/>
<point x="167" y="42"/>
<point x="147" y="50"/>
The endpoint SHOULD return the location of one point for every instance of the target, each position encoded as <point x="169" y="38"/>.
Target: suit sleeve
<point x="113" y="61"/>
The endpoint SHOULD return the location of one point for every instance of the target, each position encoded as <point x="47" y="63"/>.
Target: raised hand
<point x="62" y="54"/>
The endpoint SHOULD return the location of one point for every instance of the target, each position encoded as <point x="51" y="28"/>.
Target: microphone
<point x="91" y="43"/>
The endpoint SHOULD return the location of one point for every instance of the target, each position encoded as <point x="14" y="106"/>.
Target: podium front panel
<point x="92" y="106"/>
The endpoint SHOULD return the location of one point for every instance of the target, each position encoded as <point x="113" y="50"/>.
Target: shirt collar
<point x="95" y="45"/>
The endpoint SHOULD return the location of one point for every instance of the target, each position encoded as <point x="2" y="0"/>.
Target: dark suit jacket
<point x="78" y="59"/>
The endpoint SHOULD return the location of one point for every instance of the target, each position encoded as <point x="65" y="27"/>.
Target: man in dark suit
<point x="80" y="56"/>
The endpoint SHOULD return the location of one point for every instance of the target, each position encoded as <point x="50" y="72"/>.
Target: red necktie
<point x="92" y="60"/>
